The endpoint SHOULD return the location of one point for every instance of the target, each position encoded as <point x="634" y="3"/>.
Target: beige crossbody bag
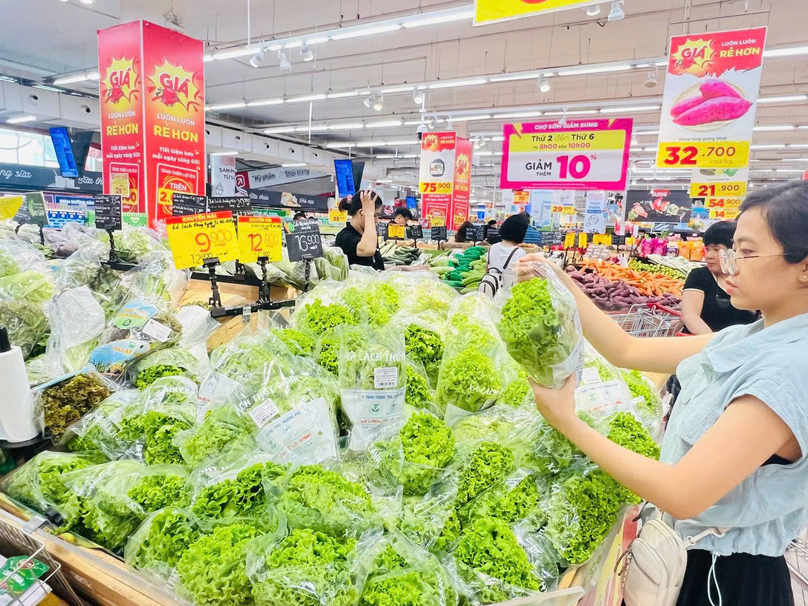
<point x="653" y="566"/>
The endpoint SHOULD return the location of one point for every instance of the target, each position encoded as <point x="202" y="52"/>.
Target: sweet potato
<point x="685" y="105"/>
<point x="713" y="87"/>
<point x="714" y="110"/>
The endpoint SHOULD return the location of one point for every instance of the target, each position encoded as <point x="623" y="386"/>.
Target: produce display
<point x="238" y="477"/>
<point x="462" y="271"/>
<point x="615" y="288"/>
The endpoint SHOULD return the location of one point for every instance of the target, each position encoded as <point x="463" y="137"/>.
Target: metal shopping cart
<point x="652" y="320"/>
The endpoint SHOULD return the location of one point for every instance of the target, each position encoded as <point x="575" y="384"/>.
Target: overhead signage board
<point x="578" y="155"/>
<point x="346" y="187"/>
<point x="711" y="92"/>
<point x="445" y="177"/>
<point x="492" y="11"/>
<point x="269" y="177"/>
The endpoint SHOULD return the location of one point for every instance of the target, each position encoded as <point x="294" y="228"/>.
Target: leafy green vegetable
<point x="535" y="332"/>
<point x="161" y="541"/>
<point x="222" y="429"/>
<point x="417" y="394"/>
<point x="213" y="571"/>
<point x="316" y="318"/>
<point x="169" y="362"/>
<point x="324" y="501"/>
<point x="160" y="490"/>
<point x="352" y="338"/>
<point x="375" y="303"/>
<point x="244" y="358"/>
<point x="487" y="464"/>
<point x="298" y="342"/>
<point x="66" y="402"/>
<point x="27" y="324"/>
<point x="8" y="266"/>
<point x="626" y="430"/>
<point x="426" y="347"/>
<point x="517" y="393"/>
<point x="644" y="394"/>
<point x="510" y="503"/>
<point x="29" y="285"/>
<point x="468" y="381"/>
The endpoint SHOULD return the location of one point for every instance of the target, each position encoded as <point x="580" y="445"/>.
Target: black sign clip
<point x="215" y="300"/>
<point x="263" y="289"/>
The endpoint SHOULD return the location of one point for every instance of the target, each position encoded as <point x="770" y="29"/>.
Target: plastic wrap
<point x="422" y="294"/>
<point x="303" y="568"/>
<point x="423" y="519"/>
<point x="156" y="487"/>
<point x="27" y="324"/>
<point x="64" y="401"/>
<point x="418" y="395"/>
<point x="172" y="361"/>
<point x="74" y="237"/>
<point x="160" y="541"/>
<point x="538" y="321"/>
<point x="424" y="343"/>
<point x="370" y="300"/>
<point x="155" y="276"/>
<point x="322" y="309"/>
<point x="393" y="571"/>
<point x="517" y="429"/>
<point x="17" y="255"/>
<point x="33" y="285"/>
<point x="516" y="500"/>
<point x="223" y="428"/>
<point x="77" y="321"/>
<point x="96" y="433"/>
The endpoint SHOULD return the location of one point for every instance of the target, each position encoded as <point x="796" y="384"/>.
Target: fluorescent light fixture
<point x="803" y="127"/>
<point x="775" y="127"/>
<point x="544" y="85"/>
<point x="293" y="44"/>
<point x="293" y="165"/>
<point x="458" y="83"/>
<point x="782" y="99"/>
<point x="264" y="102"/>
<point x="574" y="112"/>
<point x="21" y="119"/>
<point x="768" y="146"/>
<point x="594" y="70"/>
<point x="53" y="89"/>
<point x="225" y="153"/>
<point x="366" y="31"/>
<point x="798" y="145"/>
<point x="215" y="108"/>
<point x="306" y="98"/>
<point x="519" y="115"/>
<point x="278" y="130"/>
<point x="346" y="126"/>
<point x="320" y="40"/>
<point x="72" y="79"/>
<point x="234" y="53"/>
<point x="397" y="142"/>
<point x="426" y="20"/>
<point x="346" y="94"/>
<point x="660" y="63"/>
<point x="369" y="144"/>
<point x="383" y="124"/>
<point x="469" y="118"/>
<point x="649" y="149"/>
<point x="647" y="132"/>
<point x="339" y="144"/>
<point x="311" y="129"/>
<point x="412" y="122"/>
<point x="384" y="181"/>
<point x="409" y="156"/>
<point x="498" y="138"/>
<point x="795" y="159"/>
<point x="497" y="153"/>
<point x="622" y="110"/>
<point x="484" y="153"/>
<point x="385" y="157"/>
<point x="788" y="170"/>
<point x="786" y="52"/>
<point x="398" y="89"/>
<point x="512" y="77"/>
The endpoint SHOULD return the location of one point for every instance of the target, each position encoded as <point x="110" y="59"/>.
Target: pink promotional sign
<point x="580" y="154"/>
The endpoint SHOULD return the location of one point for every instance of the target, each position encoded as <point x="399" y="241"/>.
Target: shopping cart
<point x="652" y="320"/>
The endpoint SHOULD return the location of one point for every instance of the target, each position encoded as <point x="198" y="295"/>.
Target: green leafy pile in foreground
<point x="298" y="342"/>
<point x="517" y="393"/>
<point x="488" y="464"/>
<point x="157" y="430"/>
<point x="644" y="394"/>
<point x="66" y="402"/>
<point x="375" y="303"/>
<point x="426" y="347"/>
<point x="533" y="330"/>
<point x="317" y="318"/>
<point x="160" y="490"/>
<point x="161" y="541"/>
<point x="221" y="430"/>
<point x="306" y="568"/>
<point x="510" y="504"/>
<point x="213" y="571"/>
<point x="417" y="394"/>
<point x="468" y="381"/>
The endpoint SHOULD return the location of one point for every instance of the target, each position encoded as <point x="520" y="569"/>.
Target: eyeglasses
<point x="730" y="258"/>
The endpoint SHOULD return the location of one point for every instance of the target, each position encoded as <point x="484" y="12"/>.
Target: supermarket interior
<point x="404" y="303"/>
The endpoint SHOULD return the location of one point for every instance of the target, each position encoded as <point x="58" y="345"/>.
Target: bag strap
<point x="510" y="256"/>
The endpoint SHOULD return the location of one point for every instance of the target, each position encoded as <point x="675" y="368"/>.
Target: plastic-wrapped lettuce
<point x="322" y="309"/>
<point x="422" y="519"/>
<point x="173" y="361"/>
<point x="538" y="321"/>
<point x="222" y="429"/>
<point x="517" y="499"/>
<point x="422" y="294"/>
<point x="160" y="541"/>
<point x="63" y="402"/>
<point x="424" y="344"/>
<point x="31" y="285"/>
<point x="27" y="324"/>
<point x="371" y="300"/>
<point x="96" y="433"/>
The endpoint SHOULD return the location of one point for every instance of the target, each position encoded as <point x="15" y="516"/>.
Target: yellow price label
<point x="120" y="184"/>
<point x="727" y="214"/>
<point x="703" y="154"/>
<point x="583" y="240"/>
<point x="723" y="202"/>
<point x="568" y="210"/>
<point x="437" y="187"/>
<point x="569" y="240"/>
<point x="630" y="241"/>
<point x="438" y="221"/>
<point x="396" y="232"/>
<point x="711" y="190"/>
<point x="194" y="238"/>
<point x="259" y="237"/>
<point x="556" y="208"/>
<point x="9" y="206"/>
<point x="337" y="216"/>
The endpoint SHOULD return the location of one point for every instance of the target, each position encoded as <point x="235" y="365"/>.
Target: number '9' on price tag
<point x="194" y="238"/>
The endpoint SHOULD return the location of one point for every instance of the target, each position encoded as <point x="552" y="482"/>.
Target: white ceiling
<point x="49" y="38"/>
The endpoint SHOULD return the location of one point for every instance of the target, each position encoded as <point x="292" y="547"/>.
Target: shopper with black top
<point x="359" y="240"/>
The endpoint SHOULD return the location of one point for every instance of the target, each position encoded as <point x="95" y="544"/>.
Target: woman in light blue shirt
<point x="734" y="454"/>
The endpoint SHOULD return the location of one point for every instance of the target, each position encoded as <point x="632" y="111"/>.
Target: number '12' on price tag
<point x="259" y="237"/>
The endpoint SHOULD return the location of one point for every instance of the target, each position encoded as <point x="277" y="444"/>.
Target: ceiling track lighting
<point x="369" y="100"/>
<point x="616" y="12"/>
<point x="418" y="97"/>
<point x="305" y="53"/>
<point x="283" y="62"/>
<point x="593" y="11"/>
<point x="258" y="58"/>
<point x="651" y="80"/>
<point x="544" y="85"/>
<point x="378" y="103"/>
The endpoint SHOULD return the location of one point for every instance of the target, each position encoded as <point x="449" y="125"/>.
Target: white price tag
<point x="385" y="378"/>
<point x="590" y="375"/>
<point x="157" y="331"/>
<point x="265" y="411"/>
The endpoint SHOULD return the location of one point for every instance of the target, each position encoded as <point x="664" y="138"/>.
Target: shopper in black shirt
<point x="358" y="240"/>
<point x="706" y="306"/>
<point x="402" y="216"/>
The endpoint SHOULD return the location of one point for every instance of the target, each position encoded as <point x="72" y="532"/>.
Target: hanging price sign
<point x="727" y="214"/>
<point x="396" y="232"/>
<point x="708" y="190"/>
<point x="726" y="154"/>
<point x="556" y="208"/>
<point x="583" y="240"/>
<point x="303" y="240"/>
<point x="337" y="216"/>
<point x="437" y="187"/>
<point x="581" y="154"/>
<point x="567" y="210"/>
<point x="569" y="240"/>
<point x="194" y="238"/>
<point x="259" y="237"/>
<point x="437" y="221"/>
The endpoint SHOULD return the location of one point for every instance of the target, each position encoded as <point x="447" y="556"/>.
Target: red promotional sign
<point x="462" y="183"/>
<point x="153" y="116"/>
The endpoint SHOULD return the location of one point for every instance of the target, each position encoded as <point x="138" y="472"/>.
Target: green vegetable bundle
<point x="30" y="285"/>
<point x="468" y="380"/>
<point x="646" y="397"/>
<point x="27" y="324"/>
<point x="223" y="429"/>
<point x="482" y="468"/>
<point x="170" y="362"/>
<point x="160" y="541"/>
<point x="298" y="342"/>
<point x="373" y="302"/>
<point x="518" y="499"/>
<point x="316" y="318"/>
<point x="96" y="433"/>
<point x="418" y="394"/>
<point x="326" y="354"/>
<point x="425" y="346"/>
<point x="539" y="327"/>
<point x="160" y="486"/>
<point x="68" y="400"/>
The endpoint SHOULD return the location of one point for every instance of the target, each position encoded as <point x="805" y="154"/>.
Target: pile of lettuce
<point x="425" y="346"/>
<point x="67" y="401"/>
<point x="160" y="542"/>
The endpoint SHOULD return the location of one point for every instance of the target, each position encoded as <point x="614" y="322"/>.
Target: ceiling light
<point x="215" y="108"/>
<point x="799" y="145"/>
<point x="64" y="0"/>
<point x="398" y="89"/>
<point x="511" y="77"/>
<point x="72" y="79"/>
<point x="637" y="108"/>
<point x="647" y="132"/>
<point x="438" y="20"/>
<point x="479" y="142"/>
<point x="264" y="102"/>
<point x="574" y="112"/>
<point x="485" y="153"/>
<point x="350" y="93"/>
<point x="402" y="142"/>
<point x="544" y="85"/>
<point x="311" y="129"/>
<point x="21" y="119"/>
<point x="775" y="127"/>
<point x="283" y="62"/>
<point x="455" y="83"/>
<point x="366" y="31"/>
<point x="498" y="138"/>
<point x="795" y="159"/>
<point x="347" y="126"/>
<point x="225" y="153"/>
<point x="418" y="97"/>
<point x="383" y="124"/>
<point x="519" y="115"/>
<point x="593" y="11"/>
<point x="88" y="2"/>
<point x="303" y="99"/>
<point x="651" y="80"/>
<point x="768" y="146"/>
<point x="234" y="53"/>
<point x="258" y="58"/>
<point x="53" y="89"/>
<point x="782" y="99"/>
<point x="293" y="165"/>
<point x="595" y="70"/>
<point x="305" y="53"/>
<point x="786" y="52"/>
<point x="385" y="156"/>
<point x="278" y="130"/>
<point x="368" y="102"/>
<point x="469" y="118"/>
<point x="293" y="44"/>
<point x="616" y="13"/>
<point x="320" y="40"/>
<point x="803" y="127"/>
<point x="378" y="103"/>
<point x="339" y="145"/>
<point x="410" y="156"/>
<point x="788" y="170"/>
<point x="369" y="144"/>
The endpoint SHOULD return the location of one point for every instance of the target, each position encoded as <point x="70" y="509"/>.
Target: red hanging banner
<point x="462" y="183"/>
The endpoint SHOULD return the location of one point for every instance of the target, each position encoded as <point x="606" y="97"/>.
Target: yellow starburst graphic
<point x="121" y="82"/>
<point x="463" y="167"/>
<point x="174" y="87"/>
<point x="693" y="57"/>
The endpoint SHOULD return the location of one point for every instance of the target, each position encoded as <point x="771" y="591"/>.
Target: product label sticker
<point x="385" y="377"/>
<point x="590" y="375"/>
<point x="303" y="436"/>
<point x="264" y="412"/>
<point x="134" y="315"/>
<point x="157" y="331"/>
<point x="603" y="399"/>
<point x="370" y="411"/>
<point x="112" y="358"/>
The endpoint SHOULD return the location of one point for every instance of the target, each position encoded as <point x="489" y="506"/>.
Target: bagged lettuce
<point x="170" y="362"/>
<point x="96" y="433"/>
<point x="62" y="402"/>
<point x="160" y="541"/>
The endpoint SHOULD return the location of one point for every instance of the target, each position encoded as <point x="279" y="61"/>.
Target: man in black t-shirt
<point x="358" y="240"/>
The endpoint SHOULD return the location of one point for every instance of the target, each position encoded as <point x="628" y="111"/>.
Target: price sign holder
<point x="396" y="232"/>
<point x="108" y="217"/>
<point x="305" y="244"/>
<point x="415" y="232"/>
<point x="438" y="234"/>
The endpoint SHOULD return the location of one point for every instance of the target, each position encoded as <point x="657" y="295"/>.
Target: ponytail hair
<point x="353" y="204"/>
